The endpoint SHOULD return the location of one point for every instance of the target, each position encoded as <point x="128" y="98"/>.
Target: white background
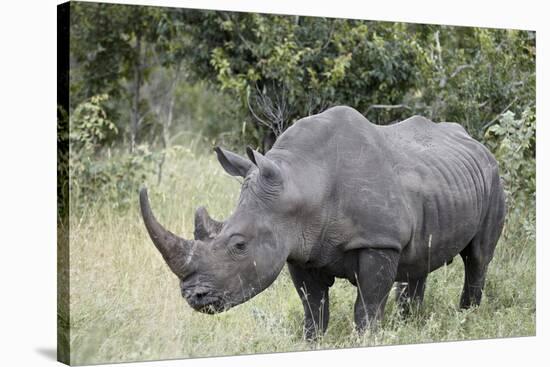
<point x="28" y="182"/>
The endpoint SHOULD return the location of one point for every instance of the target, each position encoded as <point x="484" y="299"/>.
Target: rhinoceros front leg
<point x="375" y="275"/>
<point x="312" y="286"/>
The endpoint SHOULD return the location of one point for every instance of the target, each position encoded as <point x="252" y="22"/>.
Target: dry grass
<point x="126" y="304"/>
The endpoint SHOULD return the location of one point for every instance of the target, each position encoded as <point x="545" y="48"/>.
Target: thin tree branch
<point x="237" y="30"/>
<point x="460" y="68"/>
<point x="254" y="113"/>
<point x="387" y="107"/>
<point x="487" y="124"/>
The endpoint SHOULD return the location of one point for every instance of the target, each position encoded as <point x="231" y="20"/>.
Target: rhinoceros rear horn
<point x="175" y="250"/>
<point x="205" y="227"/>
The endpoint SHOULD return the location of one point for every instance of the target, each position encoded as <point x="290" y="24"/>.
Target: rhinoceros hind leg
<point x="475" y="268"/>
<point x="410" y="294"/>
<point x="479" y="252"/>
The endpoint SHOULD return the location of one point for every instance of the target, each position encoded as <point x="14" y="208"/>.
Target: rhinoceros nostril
<point x="200" y="294"/>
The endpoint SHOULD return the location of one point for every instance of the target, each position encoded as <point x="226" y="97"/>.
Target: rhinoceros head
<point x="230" y="262"/>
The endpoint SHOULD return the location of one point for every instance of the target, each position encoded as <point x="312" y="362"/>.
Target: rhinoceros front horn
<point x="175" y="250"/>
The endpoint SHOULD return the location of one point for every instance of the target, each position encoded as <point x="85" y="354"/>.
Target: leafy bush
<point x="472" y="75"/>
<point x="513" y="142"/>
<point x="388" y="71"/>
<point x="113" y="180"/>
<point x="281" y="68"/>
<point x="98" y="173"/>
<point x="90" y="126"/>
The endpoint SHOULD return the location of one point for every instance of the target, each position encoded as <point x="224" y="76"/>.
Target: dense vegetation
<point x="153" y="89"/>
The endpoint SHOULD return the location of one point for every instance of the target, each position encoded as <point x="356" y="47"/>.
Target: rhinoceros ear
<point x="233" y="163"/>
<point x="250" y="154"/>
<point x="205" y="227"/>
<point x="269" y="171"/>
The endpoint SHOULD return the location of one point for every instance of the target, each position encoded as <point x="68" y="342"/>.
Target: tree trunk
<point x="167" y="123"/>
<point x="137" y="89"/>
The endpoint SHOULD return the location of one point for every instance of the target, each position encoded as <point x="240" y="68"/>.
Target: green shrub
<point x="98" y="173"/>
<point x="90" y="126"/>
<point x="513" y="142"/>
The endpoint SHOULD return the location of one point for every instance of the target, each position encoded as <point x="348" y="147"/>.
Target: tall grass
<point x="126" y="304"/>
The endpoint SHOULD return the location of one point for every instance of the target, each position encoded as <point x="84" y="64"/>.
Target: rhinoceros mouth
<point x="204" y="300"/>
<point x="208" y="305"/>
<point x="211" y="308"/>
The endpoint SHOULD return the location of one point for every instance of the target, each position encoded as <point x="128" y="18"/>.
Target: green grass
<point x="126" y="304"/>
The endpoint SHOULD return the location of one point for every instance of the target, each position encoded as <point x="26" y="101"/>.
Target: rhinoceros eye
<point x="237" y="245"/>
<point x="240" y="246"/>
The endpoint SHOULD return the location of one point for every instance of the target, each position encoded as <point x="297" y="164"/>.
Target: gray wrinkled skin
<point x="337" y="196"/>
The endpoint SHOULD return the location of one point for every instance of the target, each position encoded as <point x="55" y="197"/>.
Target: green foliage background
<point x="242" y="78"/>
<point x="153" y="89"/>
